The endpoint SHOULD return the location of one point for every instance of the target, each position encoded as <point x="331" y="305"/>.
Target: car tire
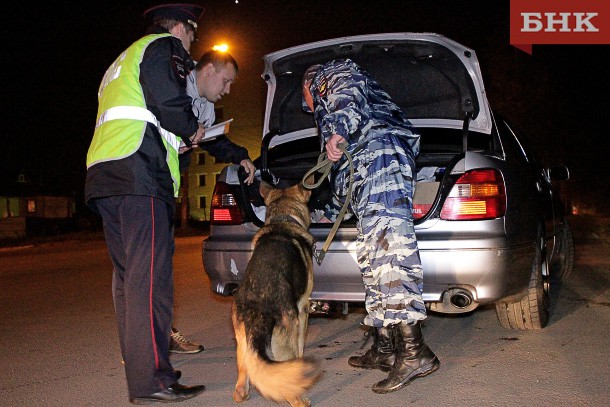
<point x="565" y="262"/>
<point x="533" y="310"/>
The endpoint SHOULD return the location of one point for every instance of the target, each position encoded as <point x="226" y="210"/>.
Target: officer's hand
<point x="198" y="136"/>
<point x="195" y="139"/>
<point x="250" y="170"/>
<point x="332" y="150"/>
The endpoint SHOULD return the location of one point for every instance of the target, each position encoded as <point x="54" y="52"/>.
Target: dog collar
<point x="285" y="218"/>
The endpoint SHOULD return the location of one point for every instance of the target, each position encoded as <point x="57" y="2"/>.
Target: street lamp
<point x="221" y="47"/>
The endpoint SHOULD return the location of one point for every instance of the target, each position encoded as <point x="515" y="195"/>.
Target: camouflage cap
<point x="308" y="77"/>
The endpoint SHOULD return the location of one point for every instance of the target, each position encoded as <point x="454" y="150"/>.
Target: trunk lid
<point x="435" y="80"/>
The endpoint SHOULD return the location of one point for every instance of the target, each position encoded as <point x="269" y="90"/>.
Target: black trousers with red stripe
<point x="139" y="232"/>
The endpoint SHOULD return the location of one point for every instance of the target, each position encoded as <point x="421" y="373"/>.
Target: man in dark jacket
<point x="207" y="84"/>
<point x="144" y="125"/>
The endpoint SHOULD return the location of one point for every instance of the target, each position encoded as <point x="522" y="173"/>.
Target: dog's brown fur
<point x="271" y="306"/>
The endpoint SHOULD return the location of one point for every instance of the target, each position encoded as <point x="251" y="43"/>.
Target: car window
<point x="527" y="149"/>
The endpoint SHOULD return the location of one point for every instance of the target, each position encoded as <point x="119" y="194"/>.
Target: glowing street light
<point x="221" y="47"/>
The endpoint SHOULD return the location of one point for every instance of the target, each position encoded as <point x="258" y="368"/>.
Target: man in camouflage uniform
<point x="350" y="107"/>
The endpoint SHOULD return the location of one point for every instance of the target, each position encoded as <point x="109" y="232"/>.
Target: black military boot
<point x="413" y="359"/>
<point x="380" y="355"/>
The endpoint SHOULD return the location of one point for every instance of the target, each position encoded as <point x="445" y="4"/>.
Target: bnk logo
<point x="559" y="22"/>
<point x="564" y="22"/>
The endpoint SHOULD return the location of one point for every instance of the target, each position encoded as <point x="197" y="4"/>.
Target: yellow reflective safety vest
<point x="122" y="115"/>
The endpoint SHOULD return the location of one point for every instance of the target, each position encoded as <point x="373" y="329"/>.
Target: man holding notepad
<point x="207" y="84"/>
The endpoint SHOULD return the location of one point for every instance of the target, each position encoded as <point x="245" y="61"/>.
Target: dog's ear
<point x="305" y="192"/>
<point x="264" y="189"/>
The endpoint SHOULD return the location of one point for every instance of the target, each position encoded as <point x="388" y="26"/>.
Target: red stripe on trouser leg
<point x="152" y="277"/>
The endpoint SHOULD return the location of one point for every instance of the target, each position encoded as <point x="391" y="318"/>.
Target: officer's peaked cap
<point x="188" y="13"/>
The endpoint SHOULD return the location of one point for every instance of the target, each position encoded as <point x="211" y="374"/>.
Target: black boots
<point x="413" y="358"/>
<point x="380" y="355"/>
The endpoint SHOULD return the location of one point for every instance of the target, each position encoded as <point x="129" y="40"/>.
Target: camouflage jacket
<point x="350" y="103"/>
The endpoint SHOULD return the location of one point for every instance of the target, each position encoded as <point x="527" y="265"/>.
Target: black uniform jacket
<point x="163" y="71"/>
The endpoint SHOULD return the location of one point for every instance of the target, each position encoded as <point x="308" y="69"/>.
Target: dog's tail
<point x="282" y="381"/>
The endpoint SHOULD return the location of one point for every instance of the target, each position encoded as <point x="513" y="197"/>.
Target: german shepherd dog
<point x="271" y="306"/>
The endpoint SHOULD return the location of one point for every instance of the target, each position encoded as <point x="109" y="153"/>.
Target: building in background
<point x="202" y="175"/>
<point x="29" y="209"/>
<point x="199" y="180"/>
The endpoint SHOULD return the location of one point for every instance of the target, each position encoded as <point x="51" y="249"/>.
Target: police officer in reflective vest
<point x="350" y="107"/>
<point x="144" y="129"/>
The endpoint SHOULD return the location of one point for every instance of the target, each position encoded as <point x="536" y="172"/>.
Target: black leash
<point x="324" y="166"/>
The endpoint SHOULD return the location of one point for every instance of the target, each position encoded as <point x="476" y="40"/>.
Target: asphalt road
<point x="59" y="345"/>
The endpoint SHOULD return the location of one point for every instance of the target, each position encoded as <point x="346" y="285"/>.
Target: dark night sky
<point x="56" y="56"/>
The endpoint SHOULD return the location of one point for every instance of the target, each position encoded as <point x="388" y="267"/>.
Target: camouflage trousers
<point x="387" y="253"/>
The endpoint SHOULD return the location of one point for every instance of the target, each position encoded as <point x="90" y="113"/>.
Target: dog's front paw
<point x="240" y="394"/>
<point x="302" y="401"/>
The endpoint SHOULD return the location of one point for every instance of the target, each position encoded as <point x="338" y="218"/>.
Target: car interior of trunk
<point x="287" y="163"/>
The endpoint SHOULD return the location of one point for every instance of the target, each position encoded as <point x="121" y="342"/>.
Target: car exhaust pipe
<point x="455" y="300"/>
<point x="461" y="299"/>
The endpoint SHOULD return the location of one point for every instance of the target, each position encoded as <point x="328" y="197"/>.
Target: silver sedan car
<point x="489" y="222"/>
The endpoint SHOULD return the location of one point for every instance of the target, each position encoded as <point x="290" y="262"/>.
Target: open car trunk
<point x="436" y="82"/>
<point x="442" y="160"/>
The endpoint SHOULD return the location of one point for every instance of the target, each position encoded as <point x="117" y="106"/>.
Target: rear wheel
<point x="565" y="262"/>
<point x="532" y="311"/>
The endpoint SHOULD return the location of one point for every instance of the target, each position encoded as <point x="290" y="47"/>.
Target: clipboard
<point x="217" y="130"/>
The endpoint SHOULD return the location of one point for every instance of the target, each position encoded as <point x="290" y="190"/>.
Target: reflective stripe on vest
<point x="138" y="113"/>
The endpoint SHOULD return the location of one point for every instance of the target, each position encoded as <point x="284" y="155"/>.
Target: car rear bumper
<point x="487" y="270"/>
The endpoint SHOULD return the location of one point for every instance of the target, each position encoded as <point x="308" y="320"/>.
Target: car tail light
<point x="419" y="210"/>
<point x="478" y="194"/>
<point x="224" y="209"/>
